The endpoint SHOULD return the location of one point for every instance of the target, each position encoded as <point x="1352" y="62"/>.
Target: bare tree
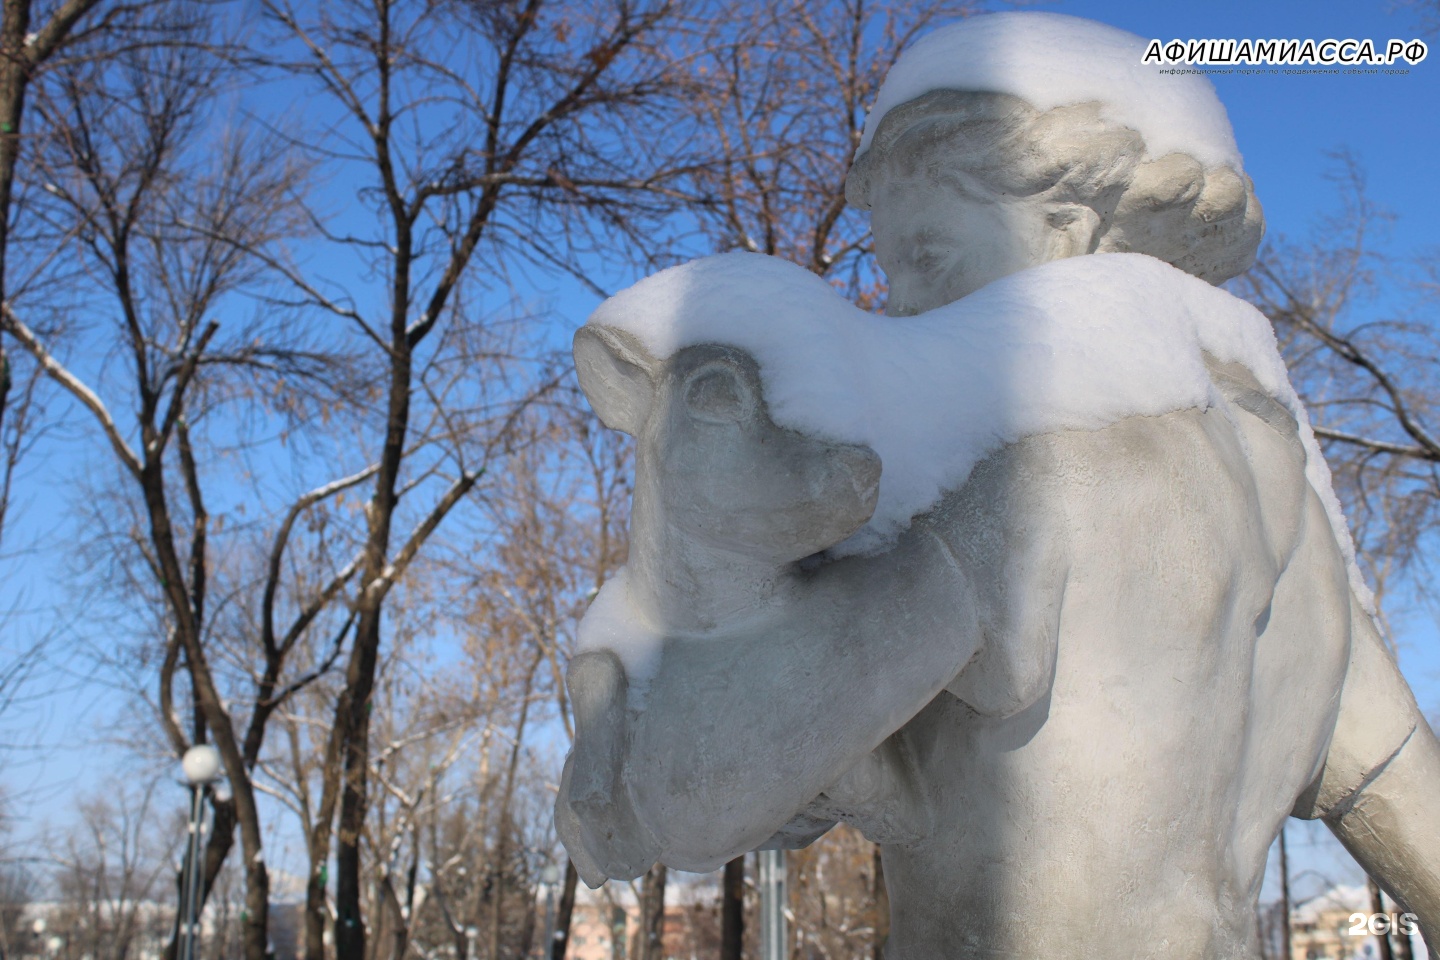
<point x="17" y="889"/>
<point x="559" y="515"/>
<point x="565" y="514"/>
<point x="650" y="935"/>
<point x="459" y="821"/>
<point x="836" y="909"/>
<point x="428" y="726"/>
<point x="1427" y="14"/>
<point x="478" y="130"/>
<point x="157" y="215"/>
<point x="30" y="39"/>
<point x="108" y="872"/>
<point x="781" y="93"/>
<point x="24" y="49"/>
<point x="16" y="667"/>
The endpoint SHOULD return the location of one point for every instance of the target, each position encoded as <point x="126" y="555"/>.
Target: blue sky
<point x="1286" y="124"/>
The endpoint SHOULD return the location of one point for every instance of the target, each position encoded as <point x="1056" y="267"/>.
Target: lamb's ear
<point x="617" y="376"/>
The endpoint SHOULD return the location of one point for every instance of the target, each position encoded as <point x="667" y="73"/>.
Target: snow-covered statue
<point x="1040" y="582"/>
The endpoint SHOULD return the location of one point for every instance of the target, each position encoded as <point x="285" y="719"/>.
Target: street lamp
<point x="201" y="765"/>
<point x="549" y="877"/>
<point x="51" y="944"/>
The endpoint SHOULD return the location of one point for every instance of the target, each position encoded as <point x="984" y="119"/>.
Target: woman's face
<point x="939" y="238"/>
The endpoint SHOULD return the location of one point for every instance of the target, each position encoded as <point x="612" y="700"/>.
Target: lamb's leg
<point x="740" y="733"/>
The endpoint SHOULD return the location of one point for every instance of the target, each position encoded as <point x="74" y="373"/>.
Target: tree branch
<point x="1346" y="349"/>
<point x="87" y="397"/>
<point x="277" y="550"/>
<point x="1379" y="446"/>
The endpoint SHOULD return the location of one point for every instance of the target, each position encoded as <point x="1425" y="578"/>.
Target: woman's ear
<point x="617" y="375"/>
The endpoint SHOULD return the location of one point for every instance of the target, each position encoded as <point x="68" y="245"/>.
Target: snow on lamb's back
<point x="1051" y="60"/>
<point x="1075" y="344"/>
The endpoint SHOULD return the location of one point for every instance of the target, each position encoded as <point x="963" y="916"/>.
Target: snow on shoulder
<point x="1074" y="344"/>
<point x="1053" y="60"/>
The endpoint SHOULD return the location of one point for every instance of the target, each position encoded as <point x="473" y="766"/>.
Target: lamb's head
<point x="712" y="467"/>
<point x="725" y="501"/>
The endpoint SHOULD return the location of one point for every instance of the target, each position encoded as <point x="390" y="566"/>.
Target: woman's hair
<point x="1206" y="222"/>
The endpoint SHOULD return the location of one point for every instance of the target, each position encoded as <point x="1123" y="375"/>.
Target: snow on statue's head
<point x="1011" y="139"/>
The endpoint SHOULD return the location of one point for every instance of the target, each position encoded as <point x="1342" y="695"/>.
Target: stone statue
<point x="1074" y="693"/>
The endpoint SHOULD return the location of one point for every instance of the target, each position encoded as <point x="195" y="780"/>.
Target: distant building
<point x="1323" y="935"/>
<point x="602" y="931"/>
<point x="57" y="930"/>
<point x="608" y="928"/>
<point x="138" y="930"/>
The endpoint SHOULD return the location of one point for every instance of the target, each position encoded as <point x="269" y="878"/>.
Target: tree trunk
<point x="732" y="910"/>
<point x="350" y="933"/>
<point x="502" y="840"/>
<point x="14" y="77"/>
<point x="350" y="930"/>
<point x="315" y="910"/>
<point x="345" y="780"/>
<point x="651" y="935"/>
<point x="495" y="890"/>
<point x="1286" y="947"/>
<point x="881" y="895"/>
<point x="566" y="910"/>
<point x="352" y="714"/>
<point x="1377" y="906"/>
<point x="256" y="922"/>
<point x="188" y="623"/>
<point x="527" y="932"/>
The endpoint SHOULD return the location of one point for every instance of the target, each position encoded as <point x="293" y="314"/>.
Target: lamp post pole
<point x="774" y="937"/>
<point x="201" y="765"/>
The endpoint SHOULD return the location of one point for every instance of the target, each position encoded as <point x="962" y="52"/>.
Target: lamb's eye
<point x="717" y="393"/>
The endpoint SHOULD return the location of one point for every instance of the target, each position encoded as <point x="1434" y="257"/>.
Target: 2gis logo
<point x="1379" y="924"/>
